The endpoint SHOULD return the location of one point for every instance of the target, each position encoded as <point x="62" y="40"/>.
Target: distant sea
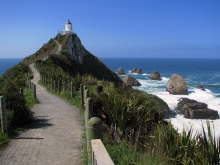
<point x="196" y="72"/>
<point x="7" y="63"/>
<point x="205" y="72"/>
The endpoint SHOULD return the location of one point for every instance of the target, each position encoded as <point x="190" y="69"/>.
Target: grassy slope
<point x="18" y="104"/>
<point x="91" y="64"/>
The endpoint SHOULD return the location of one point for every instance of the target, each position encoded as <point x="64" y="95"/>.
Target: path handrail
<point x="100" y="155"/>
<point x="97" y="153"/>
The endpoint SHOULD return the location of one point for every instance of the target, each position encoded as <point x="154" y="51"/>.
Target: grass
<point x="30" y="101"/>
<point x="3" y="138"/>
<point x="123" y="154"/>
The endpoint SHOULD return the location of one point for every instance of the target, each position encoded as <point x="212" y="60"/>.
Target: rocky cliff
<point x="68" y="52"/>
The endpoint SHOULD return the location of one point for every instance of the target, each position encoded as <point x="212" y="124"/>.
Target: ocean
<point x="196" y="72"/>
<point x="205" y="72"/>
<point x="7" y="63"/>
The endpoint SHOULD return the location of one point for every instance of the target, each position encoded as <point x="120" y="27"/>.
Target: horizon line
<point x="10" y="58"/>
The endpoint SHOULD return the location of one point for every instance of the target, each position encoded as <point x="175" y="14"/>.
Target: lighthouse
<point x="67" y="28"/>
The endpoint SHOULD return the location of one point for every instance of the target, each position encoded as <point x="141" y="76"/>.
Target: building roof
<point x="68" y="22"/>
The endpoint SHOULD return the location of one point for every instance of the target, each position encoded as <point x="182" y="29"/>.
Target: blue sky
<point x="115" y="28"/>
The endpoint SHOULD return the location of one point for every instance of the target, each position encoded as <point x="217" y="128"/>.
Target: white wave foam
<point x="181" y="123"/>
<point x="197" y="94"/>
<point x="196" y="126"/>
<point x="150" y="83"/>
<point x="165" y="79"/>
<point x="145" y="74"/>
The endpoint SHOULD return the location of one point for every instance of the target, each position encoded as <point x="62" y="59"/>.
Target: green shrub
<point x="11" y="83"/>
<point x="3" y="138"/>
<point x="185" y="149"/>
<point x="123" y="154"/>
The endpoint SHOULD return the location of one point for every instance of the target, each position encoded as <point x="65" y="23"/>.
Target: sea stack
<point x="177" y="85"/>
<point x="137" y="71"/>
<point x="130" y="81"/>
<point x="195" y="110"/>
<point x="120" y="71"/>
<point x="155" y="76"/>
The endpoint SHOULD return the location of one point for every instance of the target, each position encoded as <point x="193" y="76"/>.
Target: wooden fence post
<point x="64" y="86"/>
<point x="89" y="124"/>
<point x="42" y="80"/>
<point x="58" y="86"/>
<point x="54" y="85"/>
<point x="29" y="84"/>
<point x="85" y="94"/>
<point x="2" y="114"/>
<point x="34" y="91"/>
<point x="71" y="89"/>
<point x="86" y="115"/>
<point x="51" y="84"/>
<point x="21" y="91"/>
<point x="81" y="94"/>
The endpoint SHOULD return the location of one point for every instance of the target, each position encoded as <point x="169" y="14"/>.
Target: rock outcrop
<point x="155" y="76"/>
<point x="201" y="87"/>
<point x="68" y="52"/>
<point x="177" y="85"/>
<point x="137" y="71"/>
<point x="120" y="71"/>
<point x="161" y="107"/>
<point x="195" y="110"/>
<point x="130" y="81"/>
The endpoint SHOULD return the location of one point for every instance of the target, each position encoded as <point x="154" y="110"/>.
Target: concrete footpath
<point x="54" y="138"/>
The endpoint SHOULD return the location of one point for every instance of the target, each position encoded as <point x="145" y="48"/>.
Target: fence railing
<point x="97" y="154"/>
<point x="58" y="85"/>
<point x="31" y="86"/>
<point x="4" y="123"/>
<point x="100" y="155"/>
<point x="3" y="116"/>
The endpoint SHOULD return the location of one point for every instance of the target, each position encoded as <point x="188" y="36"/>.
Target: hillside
<point x="68" y="53"/>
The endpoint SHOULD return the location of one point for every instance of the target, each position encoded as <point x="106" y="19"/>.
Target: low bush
<point x="11" y="84"/>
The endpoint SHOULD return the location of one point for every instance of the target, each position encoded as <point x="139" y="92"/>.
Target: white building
<point x="67" y="28"/>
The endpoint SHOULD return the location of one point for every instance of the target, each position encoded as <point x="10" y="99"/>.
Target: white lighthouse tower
<point x="67" y="28"/>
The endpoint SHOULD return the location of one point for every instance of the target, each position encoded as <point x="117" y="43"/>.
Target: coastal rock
<point x="137" y="71"/>
<point x="155" y="76"/>
<point x="201" y="87"/>
<point x="68" y="53"/>
<point x="161" y="107"/>
<point x="120" y="71"/>
<point x="177" y="85"/>
<point x="195" y="110"/>
<point x="130" y="81"/>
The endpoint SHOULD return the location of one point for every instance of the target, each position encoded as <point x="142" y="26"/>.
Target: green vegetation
<point x="185" y="149"/>
<point x="12" y="84"/>
<point x="18" y="99"/>
<point x="3" y="138"/>
<point x="132" y="120"/>
<point x="133" y="117"/>
<point x="30" y="100"/>
<point x="123" y="153"/>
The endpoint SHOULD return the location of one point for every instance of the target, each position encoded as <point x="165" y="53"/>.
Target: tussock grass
<point x="3" y="138"/>
<point x="123" y="154"/>
<point x="30" y="101"/>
